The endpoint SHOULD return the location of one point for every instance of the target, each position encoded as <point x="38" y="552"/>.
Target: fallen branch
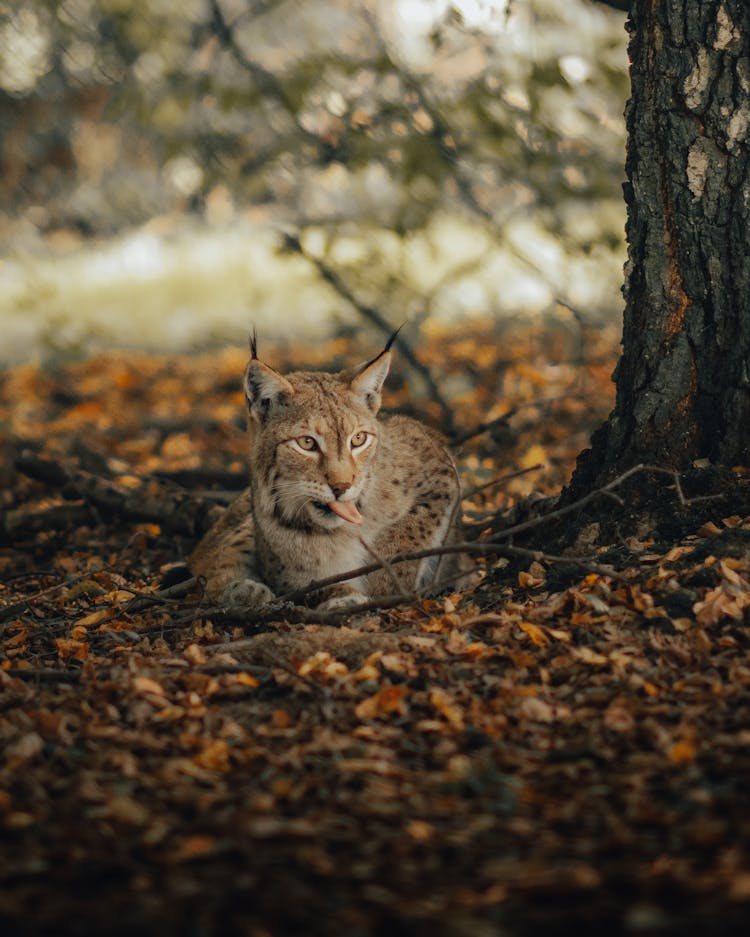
<point x="205" y="477"/>
<point x="22" y="523"/>
<point x="177" y="512"/>
<point x="45" y="675"/>
<point x="485" y="547"/>
<point x="488" y="426"/>
<point x="569" y="508"/>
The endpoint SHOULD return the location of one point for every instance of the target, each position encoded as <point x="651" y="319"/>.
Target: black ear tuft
<point x="393" y="337"/>
<point x="254" y="345"/>
<point x="263" y="388"/>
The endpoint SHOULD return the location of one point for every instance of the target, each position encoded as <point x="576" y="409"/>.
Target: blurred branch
<point x="446" y="143"/>
<point x="623" y="5"/>
<point x="441" y="133"/>
<point x="376" y="318"/>
<point x="266" y="82"/>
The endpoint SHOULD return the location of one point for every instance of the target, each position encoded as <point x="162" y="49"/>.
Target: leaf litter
<point x="562" y="745"/>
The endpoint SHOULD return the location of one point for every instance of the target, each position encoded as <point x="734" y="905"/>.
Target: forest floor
<point x="563" y="747"/>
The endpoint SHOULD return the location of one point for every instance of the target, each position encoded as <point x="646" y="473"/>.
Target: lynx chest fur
<point x="333" y="486"/>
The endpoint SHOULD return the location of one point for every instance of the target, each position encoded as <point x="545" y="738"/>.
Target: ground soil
<point x="563" y="747"/>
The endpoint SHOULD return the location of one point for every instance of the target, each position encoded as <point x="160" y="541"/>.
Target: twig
<point x="279" y="611"/>
<point x="484" y="427"/>
<point x="17" y="608"/>
<point x="265" y="81"/>
<point x="168" y="596"/>
<point x="386" y="565"/>
<point x="295" y="594"/>
<point x="568" y="508"/>
<point x="483" y="547"/>
<point x="374" y="317"/>
<point x="501" y="420"/>
<point x="675" y="476"/>
<point x="45" y="675"/>
<point x="203" y="477"/>
<point x="470" y="492"/>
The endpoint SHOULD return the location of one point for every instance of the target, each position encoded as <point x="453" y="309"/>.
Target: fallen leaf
<point x="534" y="632"/>
<point x="446" y="706"/>
<point x="94" y="618"/>
<point x="388" y="700"/>
<point x="147" y="685"/>
<point x="214" y="757"/>
<point x="70" y="649"/>
<point x="682" y="752"/>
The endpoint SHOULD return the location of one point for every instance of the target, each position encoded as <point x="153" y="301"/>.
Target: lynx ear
<point x="264" y="388"/>
<point x="368" y="380"/>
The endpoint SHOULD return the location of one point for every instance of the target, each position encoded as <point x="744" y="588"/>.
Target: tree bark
<point x="683" y="381"/>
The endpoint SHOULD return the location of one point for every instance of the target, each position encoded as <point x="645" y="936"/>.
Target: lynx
<point x="333" y="484"/>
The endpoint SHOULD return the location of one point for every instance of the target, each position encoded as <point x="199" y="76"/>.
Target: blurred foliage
<point x="346" y="121"/>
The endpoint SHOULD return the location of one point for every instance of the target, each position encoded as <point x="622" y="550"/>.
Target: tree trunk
<point x="683" y="381"/>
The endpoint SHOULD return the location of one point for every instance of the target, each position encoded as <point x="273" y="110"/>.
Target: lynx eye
<point x="308" y="443"/>
<point x="358" y="439"/>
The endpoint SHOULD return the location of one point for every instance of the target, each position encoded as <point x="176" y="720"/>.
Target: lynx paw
<point x="247" y="592"/>
<point x="342" y="601"/>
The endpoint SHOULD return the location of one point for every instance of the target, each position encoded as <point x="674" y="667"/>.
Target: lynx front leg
<point x="225" y="558"/>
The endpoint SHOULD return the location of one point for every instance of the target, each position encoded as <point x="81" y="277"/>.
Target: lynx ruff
<point x="332" y="485"/>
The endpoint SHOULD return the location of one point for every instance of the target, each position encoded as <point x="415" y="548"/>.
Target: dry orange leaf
<point x="129" y="481"/>
<point x="725" y="601"/>
<point x="18" y="639"/>
<point x="534" y="455"/>
<point x="391" y="699"/>
<point x="246" y="679"/>
<point x="446" y="706"/>
<point x="280" y="719"/>
<point x="589" y="657"/>
<point x="193" y="847"/>
<point x="169" y="713"/>
<point x="682" y="752"/>
<point x="324" y="663"/>
<point x="534" y="632"/>
<point x="69" y="649"/>
<point x="147" y="685"/>
<point x="529" y="581"/>
<point x="214" y="757"/>
<point x="419" y="830"/>
<point x="94" y="618"/>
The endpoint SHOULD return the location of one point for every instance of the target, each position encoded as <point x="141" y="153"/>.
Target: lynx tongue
<point x="347" y="510"/>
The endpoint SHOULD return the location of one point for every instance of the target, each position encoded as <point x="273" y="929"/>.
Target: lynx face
<point x="313" y="442"/>
<point x="311" y="467"/>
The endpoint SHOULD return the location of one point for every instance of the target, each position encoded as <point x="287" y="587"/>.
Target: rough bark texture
<point x="683" y="382"/>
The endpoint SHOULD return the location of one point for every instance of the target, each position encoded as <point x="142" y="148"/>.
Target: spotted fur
<point x="321" y="457"/>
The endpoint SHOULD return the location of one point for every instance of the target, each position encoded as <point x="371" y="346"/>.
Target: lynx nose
<point x="338" y="488"/>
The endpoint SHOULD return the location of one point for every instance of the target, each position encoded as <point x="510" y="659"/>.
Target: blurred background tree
<point x="174" y="170"/>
